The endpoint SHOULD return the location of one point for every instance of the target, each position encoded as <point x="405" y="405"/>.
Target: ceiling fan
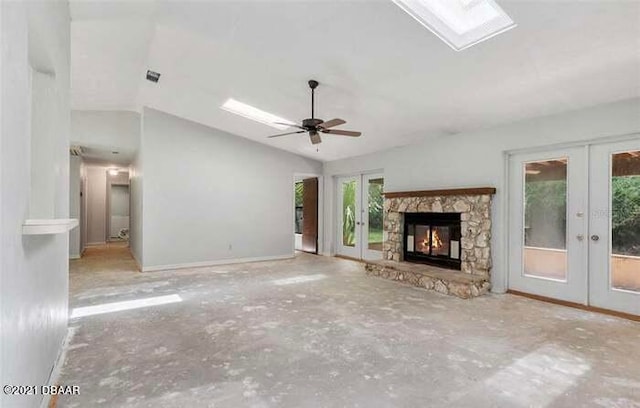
<point x="315" y="126"/>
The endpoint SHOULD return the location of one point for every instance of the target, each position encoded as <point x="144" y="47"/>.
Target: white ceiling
<point x="379" y="70"/>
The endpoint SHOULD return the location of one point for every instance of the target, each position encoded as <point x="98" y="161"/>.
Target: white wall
<point x="119" y="209"/>
<point x="477" y="159"/>
<point x="75" y="167"/>
<point x="96" y="202"/>
<point x="111" y="129"/>
<point x="210" y="196"/>
<point x="119" y="200"/>
<point x="33" y="269"/>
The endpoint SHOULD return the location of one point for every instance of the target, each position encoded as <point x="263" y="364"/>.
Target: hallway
<point x="101" y="263"/>
<point x="315" y="331"/>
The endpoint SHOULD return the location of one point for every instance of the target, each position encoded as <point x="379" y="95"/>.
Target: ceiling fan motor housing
<point x="311" y="123"/>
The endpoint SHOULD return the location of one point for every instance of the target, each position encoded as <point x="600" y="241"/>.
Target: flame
<point x="437" y="241"/>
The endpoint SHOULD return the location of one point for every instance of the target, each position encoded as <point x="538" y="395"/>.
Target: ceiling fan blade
<point x="288" y="124"/>
<point x="341" y="132"/>
<point x="315" y="138"/>
<point x="331" y="123"/>
<point x="285" y="134"/>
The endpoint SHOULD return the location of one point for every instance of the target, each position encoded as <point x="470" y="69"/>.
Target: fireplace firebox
<point x="433" y="238"/>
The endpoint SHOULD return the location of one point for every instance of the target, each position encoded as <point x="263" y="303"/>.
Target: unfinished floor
<point x="315" y="331"/>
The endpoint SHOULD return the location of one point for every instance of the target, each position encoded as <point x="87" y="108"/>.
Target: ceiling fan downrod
<point x="313" y="84"/>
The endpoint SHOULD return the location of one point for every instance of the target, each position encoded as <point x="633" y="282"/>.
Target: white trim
<point x="75" y="256"/>
<point x="215" y="263"/>
<point x="57" y="366"/>
<point x="501" y="240"/>
<point x="98" y="243"/>
<point x="545" y="249"/>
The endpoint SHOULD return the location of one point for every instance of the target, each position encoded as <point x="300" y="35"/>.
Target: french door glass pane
<point x="625" y="221"/>
<point x="545" y="219"/>
<point x="349" y="213"/>
<point x="375" y="199"/>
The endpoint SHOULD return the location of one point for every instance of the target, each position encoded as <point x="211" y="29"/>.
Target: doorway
<point x="574" y="225"/>
<point x="306" y="215"/>
<point x="360" y="216"/>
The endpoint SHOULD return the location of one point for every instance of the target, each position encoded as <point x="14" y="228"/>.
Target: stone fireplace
<point x="438" y="239"/>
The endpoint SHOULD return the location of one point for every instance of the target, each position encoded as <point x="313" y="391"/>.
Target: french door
<point x="574" y="225"/>
<point x="614" y="256"/>
<point x="360" y="223"/>
<point x="548" y="225"/>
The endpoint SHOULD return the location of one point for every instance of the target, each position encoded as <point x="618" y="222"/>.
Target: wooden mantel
<point x="447" y="192"/>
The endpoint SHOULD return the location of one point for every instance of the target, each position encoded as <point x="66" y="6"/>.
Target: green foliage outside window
<point x="625" y="222"/>
<point x="545" y="214"/>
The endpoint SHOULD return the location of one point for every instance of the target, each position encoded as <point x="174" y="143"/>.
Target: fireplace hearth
<point x="433" y="238"/>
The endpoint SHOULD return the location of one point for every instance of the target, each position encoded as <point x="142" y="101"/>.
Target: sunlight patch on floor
<point x="539" y="377"/>
<point x="124" y="305"/>
<point x="299" y="279"/>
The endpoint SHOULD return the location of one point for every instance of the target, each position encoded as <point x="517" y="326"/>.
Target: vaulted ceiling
<point x="380" y="70"/>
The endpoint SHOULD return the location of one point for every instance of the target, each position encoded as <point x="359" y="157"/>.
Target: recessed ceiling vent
<point x="153" y="76"/>
<point x="75" y="150"/>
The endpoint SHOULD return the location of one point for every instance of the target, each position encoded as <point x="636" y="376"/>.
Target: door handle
<point x="580" y="237"/>
<point x="595" y="238"/>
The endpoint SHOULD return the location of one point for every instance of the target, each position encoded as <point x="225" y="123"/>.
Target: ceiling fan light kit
<point x="314" y="126"/>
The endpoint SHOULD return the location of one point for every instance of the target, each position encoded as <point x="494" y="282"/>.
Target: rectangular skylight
<point x="255" y="114"/>
<point x="459" y="23"/>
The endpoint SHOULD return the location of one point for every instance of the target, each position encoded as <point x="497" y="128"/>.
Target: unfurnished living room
<point x="320" y="203"/>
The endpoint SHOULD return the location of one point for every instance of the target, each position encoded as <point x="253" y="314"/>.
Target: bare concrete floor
<point x="316" y="332"/>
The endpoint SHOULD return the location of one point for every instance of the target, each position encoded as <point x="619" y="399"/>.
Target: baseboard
<point x="576" y="305"/>
<point x="75" y="256"/>
<point x="215" y="263"/>
<point x="57" y="366"/>
<point x="88" y="244"/>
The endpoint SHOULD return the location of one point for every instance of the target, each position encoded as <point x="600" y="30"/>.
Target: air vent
<point x="153" y="76"/>
<point x="75" y="150"/>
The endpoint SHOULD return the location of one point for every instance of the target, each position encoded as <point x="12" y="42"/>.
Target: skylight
<point x="255" y="114"/>
<point x="459" y="23"/>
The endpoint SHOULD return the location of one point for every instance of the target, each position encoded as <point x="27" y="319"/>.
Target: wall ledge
<point x="48" y="226"/>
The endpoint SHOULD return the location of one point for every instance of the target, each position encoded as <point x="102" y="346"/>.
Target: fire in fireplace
<point x="433" y="238"/>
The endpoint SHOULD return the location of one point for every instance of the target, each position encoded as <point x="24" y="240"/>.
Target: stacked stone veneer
<point x="475" y="218"/>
